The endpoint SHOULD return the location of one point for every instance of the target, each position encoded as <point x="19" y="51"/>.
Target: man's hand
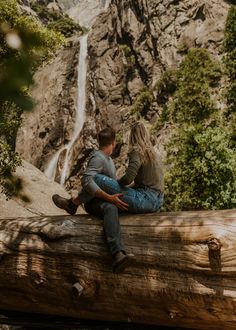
<point x="115" y="199"/>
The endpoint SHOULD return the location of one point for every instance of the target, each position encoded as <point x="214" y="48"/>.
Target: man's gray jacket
<point x="98" y="163"/>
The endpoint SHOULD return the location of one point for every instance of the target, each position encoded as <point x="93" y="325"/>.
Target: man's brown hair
<point x="106" y="137"/>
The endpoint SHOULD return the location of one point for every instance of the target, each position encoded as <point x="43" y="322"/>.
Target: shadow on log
<point x="184" y="275"/>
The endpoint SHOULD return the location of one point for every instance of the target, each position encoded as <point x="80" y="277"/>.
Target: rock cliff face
<point x="130" y="45"/>
<point x="51" y="122"/>
<point x="39" y="189"/>
<point x="86" y="11"/>
<point x="154" y="32"/>
<point x="67" y="4"/>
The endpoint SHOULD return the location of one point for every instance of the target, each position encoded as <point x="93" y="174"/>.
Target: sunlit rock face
<point x="50" y="124"/>
<point x="130" y="44"/>
<point x="39" y="190"/>
<point x="67" y="4"/>
<point x="155" y="32"/>
<point x="86" y="11"/>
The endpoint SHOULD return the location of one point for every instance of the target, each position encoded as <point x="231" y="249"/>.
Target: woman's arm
<point x="132" y="169"/>
<point x="131" y="185"/>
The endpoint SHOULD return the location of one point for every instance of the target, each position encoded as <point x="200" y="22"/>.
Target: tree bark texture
<point x="184" y="275"/>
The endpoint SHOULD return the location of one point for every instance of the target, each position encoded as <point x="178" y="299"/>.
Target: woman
<point x="144" y="170"/>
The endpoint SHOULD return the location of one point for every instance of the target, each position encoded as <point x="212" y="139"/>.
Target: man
<point x="98" y="202"/>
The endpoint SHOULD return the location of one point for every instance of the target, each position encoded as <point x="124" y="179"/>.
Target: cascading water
<point x="51" y="169"/>
<point x="80" y="118"/>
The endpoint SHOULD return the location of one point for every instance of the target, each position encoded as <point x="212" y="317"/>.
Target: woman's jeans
<point x="139" y="200"/>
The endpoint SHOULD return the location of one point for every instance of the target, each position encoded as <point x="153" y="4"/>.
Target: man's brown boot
<point x="65" y="204"/>
<point x="122" y="261"/>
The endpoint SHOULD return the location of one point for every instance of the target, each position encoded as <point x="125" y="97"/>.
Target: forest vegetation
<point x="201" y="154"/>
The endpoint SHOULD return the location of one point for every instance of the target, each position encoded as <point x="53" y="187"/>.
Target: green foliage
<point x="201" y="162"/>
<point x="55" y="20"/>
<point x="11" y="121"/>
<point x="9" y="160"/>
<point x="166" y="86"/>
<point x="119" y="138"/>
<point x="44" y="14"/>
<point x="230" y="64"/>
<point x="33" y="36"/>
<point x="183" y="48"/>
<point x="142" y="103"/>
<point x="196" y="75"/>
<point x="65" y="25"/>
<point x="230" y="31"/>
<point x="24" y="44"/>
<point x="130" y="58"/>
<point x="203" y="169"/>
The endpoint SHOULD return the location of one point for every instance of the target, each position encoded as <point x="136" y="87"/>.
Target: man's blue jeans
<point x="109" y="213"/>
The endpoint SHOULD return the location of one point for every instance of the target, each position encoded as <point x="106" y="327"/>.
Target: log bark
<point x="185" y="273"/>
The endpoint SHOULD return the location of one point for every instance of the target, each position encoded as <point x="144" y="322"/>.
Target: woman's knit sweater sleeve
<point x="132" y="169"/>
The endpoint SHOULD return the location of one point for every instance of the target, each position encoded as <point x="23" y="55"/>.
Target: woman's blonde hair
<point x="139" y="140"/>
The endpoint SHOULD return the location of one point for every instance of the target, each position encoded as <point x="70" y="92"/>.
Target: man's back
<point x="98" y="163"/>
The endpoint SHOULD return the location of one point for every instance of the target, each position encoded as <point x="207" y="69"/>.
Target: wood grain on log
<point x="185" y="274"/>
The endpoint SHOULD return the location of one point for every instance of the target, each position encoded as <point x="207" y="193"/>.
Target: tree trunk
<point x="185" y="273"/>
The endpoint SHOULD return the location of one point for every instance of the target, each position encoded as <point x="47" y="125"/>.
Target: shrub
<point x="166" y="86"/>
<point x="230" y="65"/>
<point x="201" y="163"/>
<point x="44" y="14"/>
<point x="56" y="21"/>
<point x="142" y="103"/>
<point x="65" y="25"/>
<point x="130" y="58"/>
<point x="202" y="172"/>
<point x="9" y="160"/>
<point x="195" y="76"/>
<point x="230" y="30"/>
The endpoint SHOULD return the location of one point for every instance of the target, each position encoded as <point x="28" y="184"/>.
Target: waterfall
<point x="51" y="169"/>
<point x="83" y="8"/>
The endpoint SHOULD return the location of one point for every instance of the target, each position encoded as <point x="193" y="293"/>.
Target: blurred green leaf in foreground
<point x="24" y="44"/>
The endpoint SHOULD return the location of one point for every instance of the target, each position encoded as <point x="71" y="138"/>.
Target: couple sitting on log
<point x="103" y="195"/>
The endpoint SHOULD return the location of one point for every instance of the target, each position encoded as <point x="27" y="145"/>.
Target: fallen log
<point x="33" y="321"/>
<point x="185" y="273"/>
